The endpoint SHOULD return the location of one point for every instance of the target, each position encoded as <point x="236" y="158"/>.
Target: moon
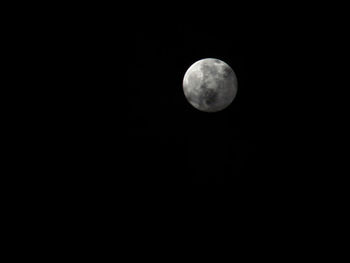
<point x="210" y="85"/>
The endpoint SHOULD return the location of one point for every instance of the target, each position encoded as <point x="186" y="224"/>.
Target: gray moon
<point x="210" y="85"/>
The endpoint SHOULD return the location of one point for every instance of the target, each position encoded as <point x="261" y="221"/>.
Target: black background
<point x="268" y="136"/>
<point x="267" y="143"/>
<point x="172" y="142"/>
<point x="270" y="142"/>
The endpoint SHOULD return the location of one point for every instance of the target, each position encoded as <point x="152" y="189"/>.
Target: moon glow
<point x="210" y="85"/>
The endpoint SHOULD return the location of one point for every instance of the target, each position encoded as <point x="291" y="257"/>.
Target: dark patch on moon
<point x="227" y="72"/>
<point x="203" y="86"/>
<point x="210" y="96"/>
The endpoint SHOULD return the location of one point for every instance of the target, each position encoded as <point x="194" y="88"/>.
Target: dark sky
<point x="171" y="140"/>
<point x="276" y="126"/>
<point x="261" y="133"/>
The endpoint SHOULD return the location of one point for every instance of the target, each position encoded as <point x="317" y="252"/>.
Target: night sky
<point x="114" y="127"/>
<point x="170" y="141"/>
<point x="267" y="130"/>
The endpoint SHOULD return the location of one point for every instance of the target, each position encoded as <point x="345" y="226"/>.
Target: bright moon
<point x="210" y="85"/>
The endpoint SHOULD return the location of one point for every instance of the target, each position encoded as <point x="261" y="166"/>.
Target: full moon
<point x="210" y="85"/>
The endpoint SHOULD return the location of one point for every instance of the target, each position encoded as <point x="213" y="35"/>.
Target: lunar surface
<point x="210" y="85"/>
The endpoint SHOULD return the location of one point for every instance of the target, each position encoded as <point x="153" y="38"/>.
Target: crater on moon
<point x="210" y="85"/>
